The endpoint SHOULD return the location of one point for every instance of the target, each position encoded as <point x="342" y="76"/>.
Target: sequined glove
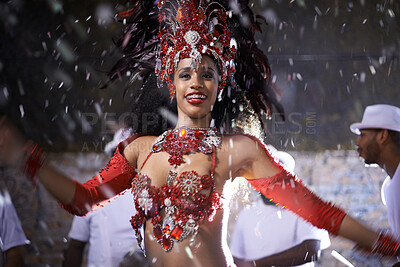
<point x="385" y="245"/>
<point x="33" y="162"/>
<point x="288" y="191"/>
<point x="113" y="179"/>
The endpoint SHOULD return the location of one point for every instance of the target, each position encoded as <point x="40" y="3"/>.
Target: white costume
<point x="263" y="230"/>
<point x="11" y="233"/>
<point x="108" y="231"/>
<point x="391" y="198"/>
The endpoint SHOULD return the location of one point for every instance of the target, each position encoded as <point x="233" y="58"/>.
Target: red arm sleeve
<point x="112" y="180"/>
<point x="288" y="191"/>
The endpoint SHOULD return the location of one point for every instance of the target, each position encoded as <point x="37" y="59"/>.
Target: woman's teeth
<point x="196" y="96"/>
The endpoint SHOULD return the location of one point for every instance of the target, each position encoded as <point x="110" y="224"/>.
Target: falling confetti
<point x="372" y="69"/>
<point x="21" y="110"/>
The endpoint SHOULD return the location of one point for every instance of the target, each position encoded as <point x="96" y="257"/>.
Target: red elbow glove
<point x="112" y="180"/>
<point x="286" y="190"/>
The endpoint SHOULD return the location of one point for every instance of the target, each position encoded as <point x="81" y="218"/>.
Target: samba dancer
<point x="203" y="53"/>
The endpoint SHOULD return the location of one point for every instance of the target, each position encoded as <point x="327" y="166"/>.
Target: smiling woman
<point x="196" y="92"/>
<point x="177" y="179"/>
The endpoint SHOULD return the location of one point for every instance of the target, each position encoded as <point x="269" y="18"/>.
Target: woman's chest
<point x="158" y="167"/>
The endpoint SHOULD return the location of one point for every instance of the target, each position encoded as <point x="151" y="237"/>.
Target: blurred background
<point x="329" y="59"/>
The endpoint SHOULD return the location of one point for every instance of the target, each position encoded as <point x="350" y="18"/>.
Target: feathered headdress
<point x="159" y="34"/>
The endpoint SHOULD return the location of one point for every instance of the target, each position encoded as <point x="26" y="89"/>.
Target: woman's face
<point x="196" y="89"/>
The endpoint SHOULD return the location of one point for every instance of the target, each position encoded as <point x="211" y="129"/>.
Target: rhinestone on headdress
<point x="192" y="37"/>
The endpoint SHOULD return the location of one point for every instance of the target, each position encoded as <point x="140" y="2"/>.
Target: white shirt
<point x="391" y="198"/>
<point x="263" y="230"/>
<point x="11" y="233"/>
<point x="108" y="231"/>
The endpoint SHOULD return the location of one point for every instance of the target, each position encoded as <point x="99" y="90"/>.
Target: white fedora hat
<point x="378" y="117"/>
<point x="284" y="158"/>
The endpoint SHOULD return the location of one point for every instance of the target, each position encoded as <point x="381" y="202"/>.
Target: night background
<point x="329" y="59"/>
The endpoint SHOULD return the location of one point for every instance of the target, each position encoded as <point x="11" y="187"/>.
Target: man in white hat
<point x="379" y="142"/>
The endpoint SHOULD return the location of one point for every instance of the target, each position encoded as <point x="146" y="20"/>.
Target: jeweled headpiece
<point x="190" y="29"/>
<point x="160" y="33"/>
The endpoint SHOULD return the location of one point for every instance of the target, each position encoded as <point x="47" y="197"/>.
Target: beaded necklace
<point x="184" y="141"/>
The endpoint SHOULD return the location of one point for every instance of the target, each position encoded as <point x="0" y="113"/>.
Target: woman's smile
<point x="195" y="98"/>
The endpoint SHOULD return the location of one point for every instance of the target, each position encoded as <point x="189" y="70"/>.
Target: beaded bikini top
<point x="184" y="206"/>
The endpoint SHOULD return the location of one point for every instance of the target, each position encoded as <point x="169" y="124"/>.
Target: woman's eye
<point x="184" y="76"/>
<point x="208" y="75"/>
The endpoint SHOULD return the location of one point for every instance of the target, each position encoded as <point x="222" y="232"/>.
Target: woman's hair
<point x="251" y="90"/>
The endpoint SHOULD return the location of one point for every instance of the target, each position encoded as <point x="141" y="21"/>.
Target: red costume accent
<point x="35" y="159"/>
<point x="385" y="245"/>
<point x="287" y="190"/>
<point x="113" y="179"/>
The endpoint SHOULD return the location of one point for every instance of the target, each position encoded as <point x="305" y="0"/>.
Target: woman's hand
<point x="12" y="143"/>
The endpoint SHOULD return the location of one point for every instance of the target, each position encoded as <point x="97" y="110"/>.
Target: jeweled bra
<point x="185" y="207"/>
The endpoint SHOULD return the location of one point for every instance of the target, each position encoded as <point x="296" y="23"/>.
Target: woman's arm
<point x="112" y="180"/>
<point x="288" y="191"/>
<point x="75" y="197"/>
<point x="58" y="185"/>
<point x="15" y="150"/>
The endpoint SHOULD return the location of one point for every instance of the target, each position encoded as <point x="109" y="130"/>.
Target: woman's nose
<point x="196" y="81"/>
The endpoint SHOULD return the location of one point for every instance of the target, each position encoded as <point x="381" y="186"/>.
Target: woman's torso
<point x="208" y="248"/>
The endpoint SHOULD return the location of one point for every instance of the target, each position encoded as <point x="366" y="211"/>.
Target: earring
<point x="221" y="91"/>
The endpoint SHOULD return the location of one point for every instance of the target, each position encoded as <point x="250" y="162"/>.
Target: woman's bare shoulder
<point x="139" y="144"/>
<point x="240" y="148"/>
<point x="239" y="141"/>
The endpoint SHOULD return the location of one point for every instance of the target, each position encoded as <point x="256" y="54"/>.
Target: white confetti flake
<point x="189" y="252"/>
<point x="372" y="69"/>
<point x="391" y="13"/>
<point x="21" y="110"/>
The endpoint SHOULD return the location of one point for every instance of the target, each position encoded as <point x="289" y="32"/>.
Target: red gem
<point x="157" y="232"/>
<point x="166" y="229"/>
<point x="201" y="16"/>
<point x="176" y="232"/>
<point x="182" y="132"/>
<point x="167" y="244"/>
<point x="199" y="135"/>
